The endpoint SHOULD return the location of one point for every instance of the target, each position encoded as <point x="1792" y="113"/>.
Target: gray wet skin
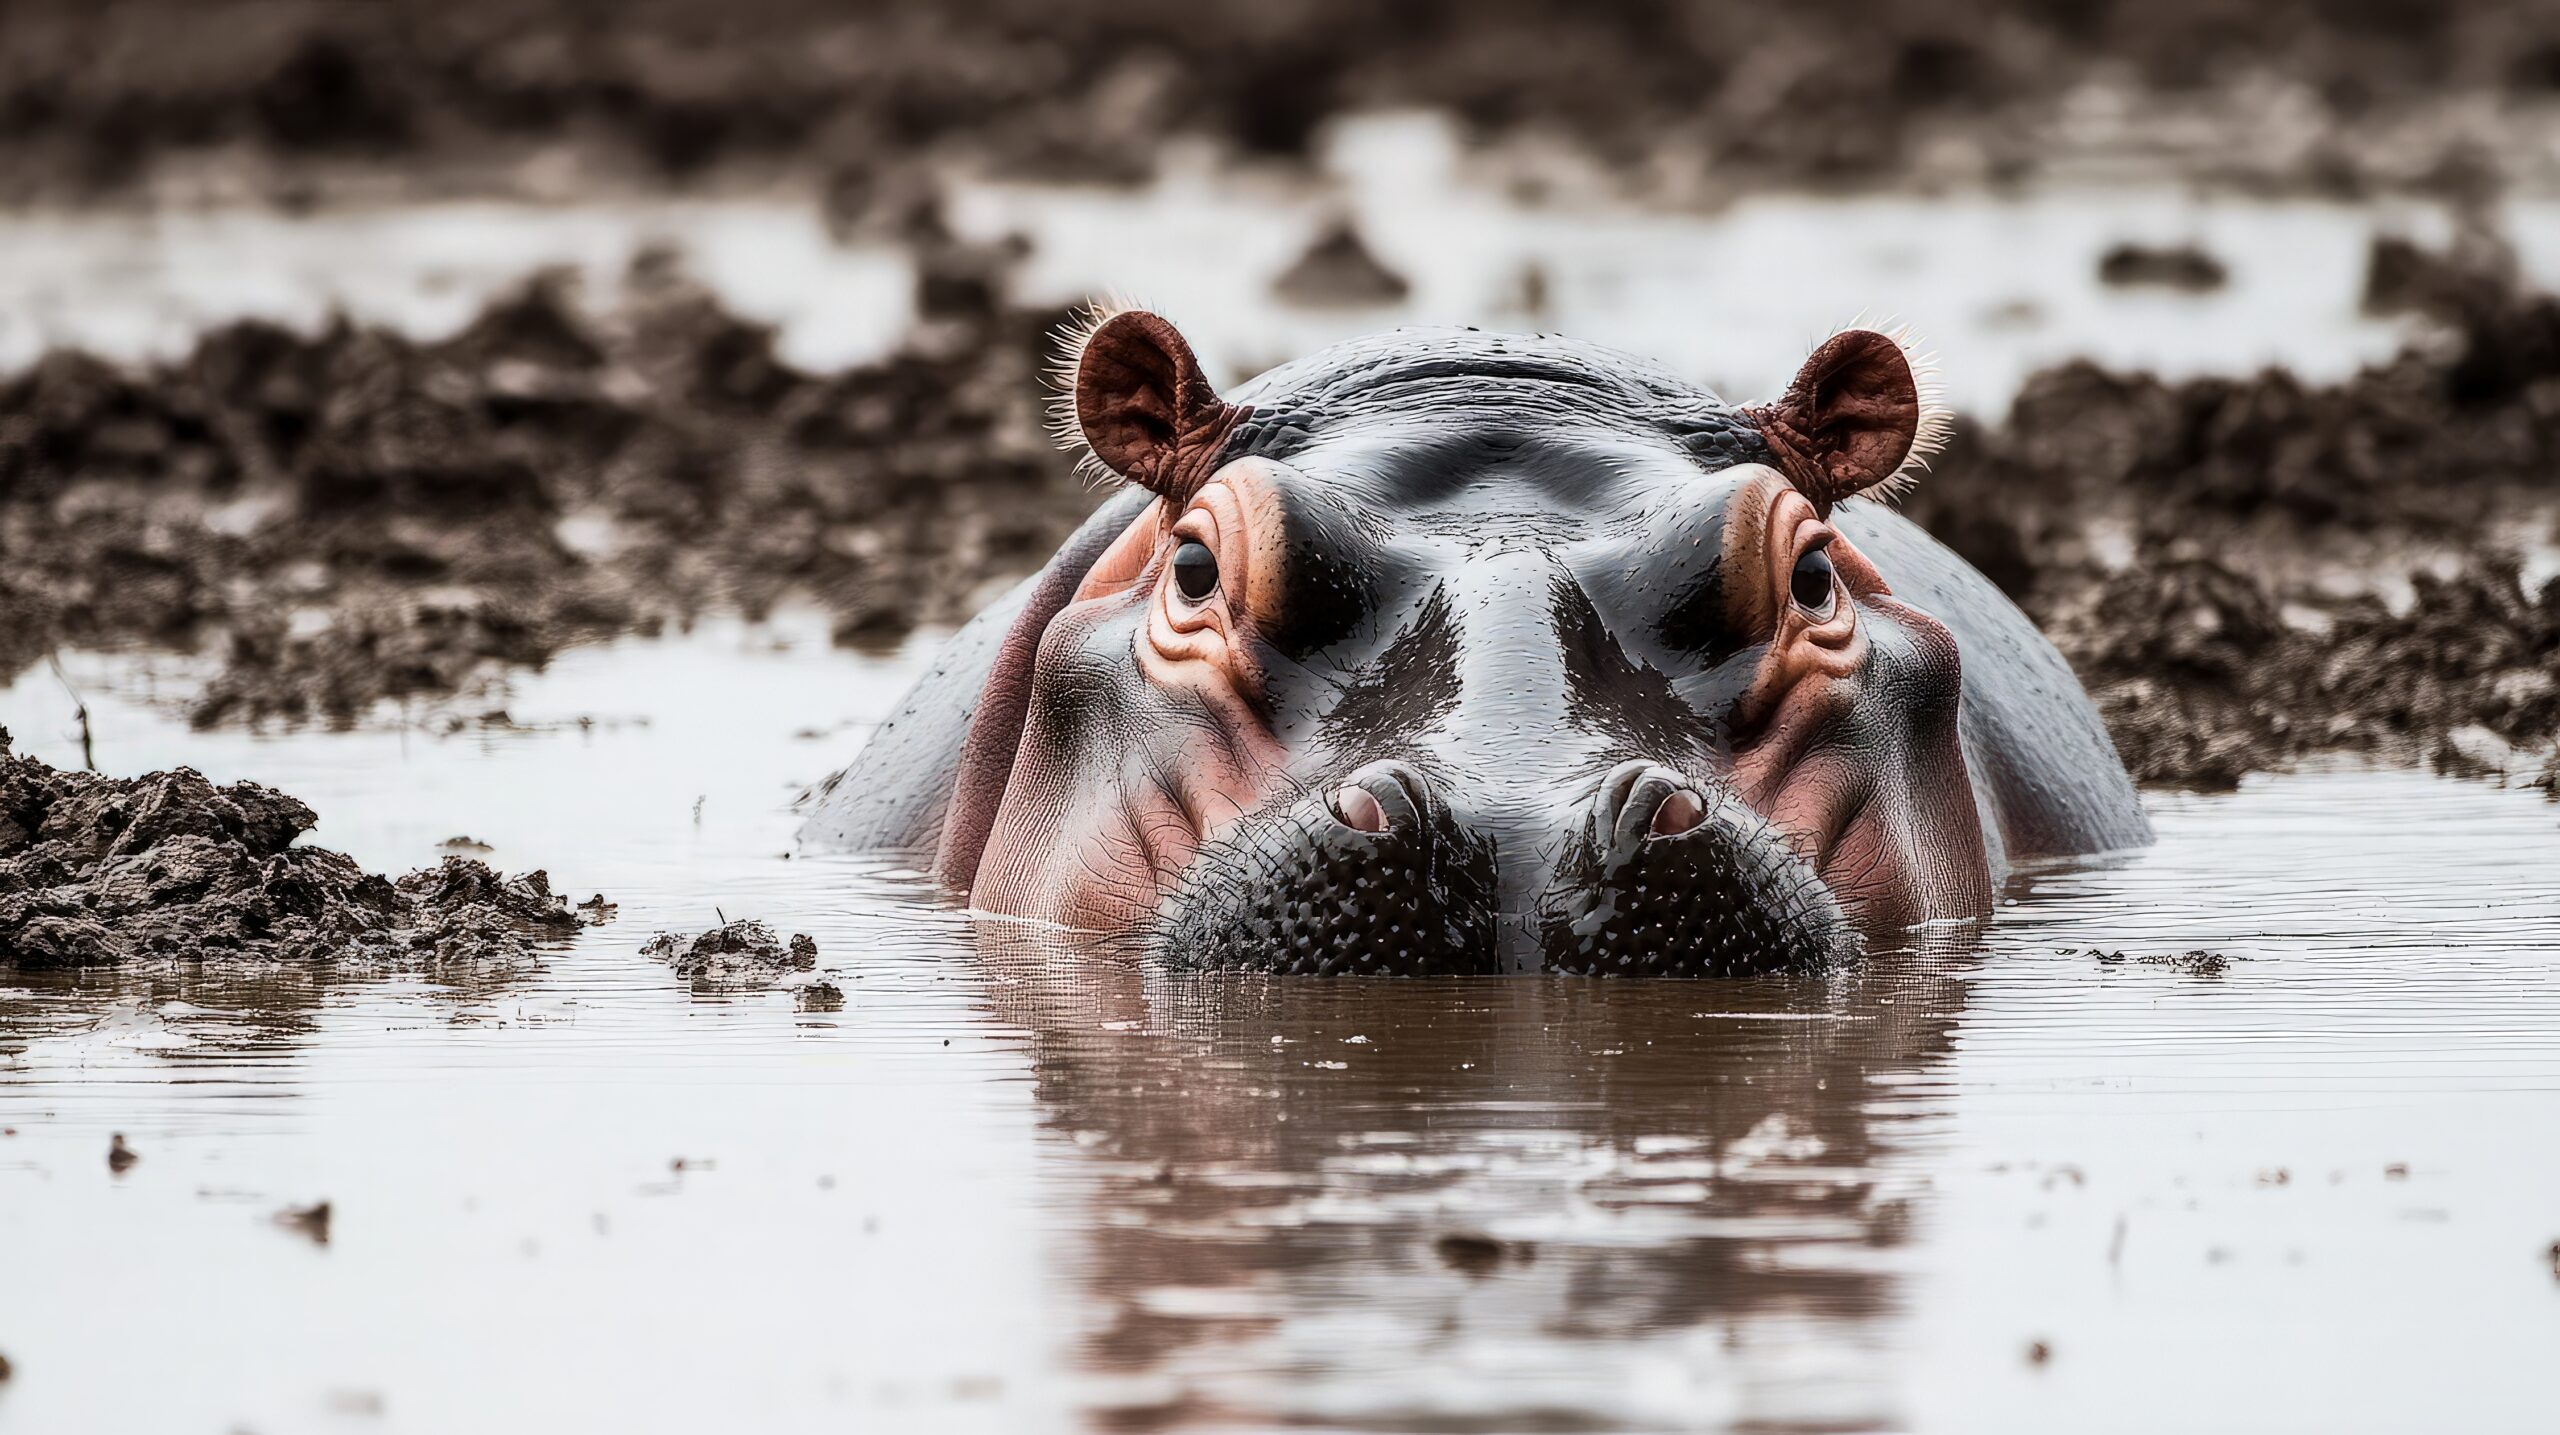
<point x="1508" y="677"/>
<point x="1519" y="607"/>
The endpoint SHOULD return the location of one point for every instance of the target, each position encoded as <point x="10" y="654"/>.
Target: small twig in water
<point x="88" y="748"/>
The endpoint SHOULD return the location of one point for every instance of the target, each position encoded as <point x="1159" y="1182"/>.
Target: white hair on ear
<point x="1066" y="357"/>
<point x="1937" y="422"/>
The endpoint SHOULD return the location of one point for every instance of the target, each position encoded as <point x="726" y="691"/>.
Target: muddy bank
<point x="98" y="871"/>
<point x="2245" y="571"/>
<point x="1718" y="93"/>
<point x="354" y="517"/>
<point x="2248" y="571"/>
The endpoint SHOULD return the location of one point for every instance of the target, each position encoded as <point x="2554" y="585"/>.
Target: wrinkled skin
<point x="1456" y="653"/>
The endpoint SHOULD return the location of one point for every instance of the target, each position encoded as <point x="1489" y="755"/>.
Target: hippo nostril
<point x="1680" y="812"/>
<point x="1359" y="810"/>
<point x="1673" y="875"/>
<point x="1382" y="797"/>
<point x="1641" y="801"/>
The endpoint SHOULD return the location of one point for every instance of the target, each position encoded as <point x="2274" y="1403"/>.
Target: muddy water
<point x="1015" y="1187"/>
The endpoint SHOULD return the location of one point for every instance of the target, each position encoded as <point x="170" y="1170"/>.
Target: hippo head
<point x="1452" y="652"/>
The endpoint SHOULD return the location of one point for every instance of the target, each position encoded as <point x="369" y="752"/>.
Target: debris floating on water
<point x="1475" y="1254"/>
<point x="311" y="1221"/>
<point x="739" y="955"/>
<point x="2194" y="962"/>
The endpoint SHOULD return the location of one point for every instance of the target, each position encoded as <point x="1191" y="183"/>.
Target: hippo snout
<point x="1673" y="878"/>
<point x="1375" y="877"/>
<point x="1382" y="875"/>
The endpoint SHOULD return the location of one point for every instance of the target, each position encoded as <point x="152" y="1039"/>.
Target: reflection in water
<point x="1014" y="1186"/>
<point x="1541" y="1202"/>
<point x="214" y="1007"/>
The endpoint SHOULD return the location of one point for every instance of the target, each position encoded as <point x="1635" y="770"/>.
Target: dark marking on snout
<point x="1410" y="688"/>
<point x="1336" y="569"/>
<point x="1629" y="703"/>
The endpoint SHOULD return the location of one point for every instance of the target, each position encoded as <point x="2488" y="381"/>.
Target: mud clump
<point x="2248" y="571"/>
<point x="2172" y="266"/>
<point x="1476" y="1255"/>
<point x="2474" y="276"/>
<point x="741" y="955"/>
<point x="1339" y="270"/>
<point x="2195" y="963"/>
<point x="99" y="871"/>
<point x="351" y="518"/>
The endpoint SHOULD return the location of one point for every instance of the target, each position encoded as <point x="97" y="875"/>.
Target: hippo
<point x="1450" y="652"/>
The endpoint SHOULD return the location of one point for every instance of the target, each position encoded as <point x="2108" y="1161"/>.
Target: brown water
<point x="1010" y="1187"/>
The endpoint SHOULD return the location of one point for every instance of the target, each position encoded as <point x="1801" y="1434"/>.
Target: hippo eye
<point x="1812" y="582"/>
<point x="1195" y="570"/>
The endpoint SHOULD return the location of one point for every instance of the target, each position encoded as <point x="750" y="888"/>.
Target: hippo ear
<point x="1855" y="413"/>
<point x="1145" y="408"/>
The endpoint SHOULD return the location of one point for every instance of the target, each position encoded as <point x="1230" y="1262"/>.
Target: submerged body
<point x="1455" y="652"/>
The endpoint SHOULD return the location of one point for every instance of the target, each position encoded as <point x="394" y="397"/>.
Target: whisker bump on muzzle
<point x="1671" y="878"/>
<point x="1373" y="879"/>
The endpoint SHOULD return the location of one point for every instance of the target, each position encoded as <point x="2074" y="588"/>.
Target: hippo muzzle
<point x="1656" y="878"/>
<point x="1460" y="654"/>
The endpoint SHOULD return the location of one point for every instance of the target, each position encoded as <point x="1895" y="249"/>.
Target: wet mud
<point x="2245" y="571"/>
<point x="2164" y="266"/>
<point x="351" y="518"/>
<point x="2338" y="95"/>
<point x="100" y="871"/>
<point x="1339" y="268"/>
<point x="2249" y="571"/>
<point x="740" y="955"/>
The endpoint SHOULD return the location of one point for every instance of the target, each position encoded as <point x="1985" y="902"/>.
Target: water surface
<point x="1013" y="1187"/>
